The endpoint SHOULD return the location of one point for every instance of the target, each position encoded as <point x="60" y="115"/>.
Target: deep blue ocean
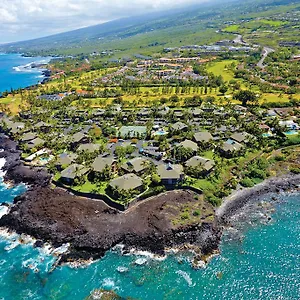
<point x="260" y="260"/>
<point x="14" y="71"/>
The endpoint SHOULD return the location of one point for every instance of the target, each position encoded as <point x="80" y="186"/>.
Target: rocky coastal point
<point x="92" y="228"/>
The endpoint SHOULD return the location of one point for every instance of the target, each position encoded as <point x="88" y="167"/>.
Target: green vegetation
<point x="151" y="33"/>
<point x="232" y="28"/>
<point x="223" y="68"/>
<point x="200" y="113"/>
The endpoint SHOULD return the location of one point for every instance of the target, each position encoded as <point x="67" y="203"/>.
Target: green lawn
<point x="208" y="154"/>
<point x="88" y="187"/>
<point x="274" y="23"/>
<point x="12" y="102"/>
<point x="232" y="28"/>
<point x="276" y="97"/>
<point x="57" y="176"/>
<point x="202" y="184"/>
<point x="220" y="68"/>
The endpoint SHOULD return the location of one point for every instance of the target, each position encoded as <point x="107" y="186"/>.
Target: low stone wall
<point x="116" y="205"/>
<point x="191" y="188"/>
<point x="102" y="197"/>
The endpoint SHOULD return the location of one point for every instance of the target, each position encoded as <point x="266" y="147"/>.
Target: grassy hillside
<point x="153" y="32"/>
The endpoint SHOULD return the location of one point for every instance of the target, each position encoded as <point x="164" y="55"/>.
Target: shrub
<point x="185" y="215"/>
<point x="279" y="158"/>
<point x="295" y="170"/>
<point x="212" y="199"/>
<point x="256" y="173"/>
<point x="247" y="182"/>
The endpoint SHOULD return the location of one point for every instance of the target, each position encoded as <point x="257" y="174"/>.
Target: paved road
<point x="239" y="40"/>
<point x="266" y="51"/>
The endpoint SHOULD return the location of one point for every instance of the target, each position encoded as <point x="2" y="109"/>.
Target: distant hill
<point x="148" y="33"/>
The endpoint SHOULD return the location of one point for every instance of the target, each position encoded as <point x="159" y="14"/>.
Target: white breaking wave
<point x="141" y="261"/>
<point x="12" y="246"/>
<point x="2" y="164"/>
<point x="3" y="211"/>
<point x="186" y="277"/>
<point x="122" y="269"/>
<point x="61" y="250"/>
<point x="45" y="257"/>
<point x="17" y="69"/>
<point x="108" y="283"/>
<point x="25" y="69"/>
<point x="31" y="67"/>
<point x="146" y="254"/>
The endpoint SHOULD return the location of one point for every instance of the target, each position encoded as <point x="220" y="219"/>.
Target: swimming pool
<point x="230" y="142"/>
<point x="291" y="132"/>
<point x="45" y="159"/>
<point x="267" y="134"/>
<point x="161" y="132"/>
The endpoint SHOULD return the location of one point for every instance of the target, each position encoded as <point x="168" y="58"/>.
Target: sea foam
<point x="2" y="164"/>
<point x="186" y="277"/>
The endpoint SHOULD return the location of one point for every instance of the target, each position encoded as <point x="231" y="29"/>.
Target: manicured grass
<point x="89" y="187"/>
<point x="202" y="184"/>
<point x="57" y="176"/>
<point x="12" y="102"/>
<point x="232" y="28"/>
<point x="208" y="154"/>
<point x="274" y="97"/>
<point x="220" y="68"/>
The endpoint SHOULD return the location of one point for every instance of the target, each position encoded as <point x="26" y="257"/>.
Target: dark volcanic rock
<point x="239" y="201"/>
<point x="92" y="228"/>
<point x="16" y="171"/>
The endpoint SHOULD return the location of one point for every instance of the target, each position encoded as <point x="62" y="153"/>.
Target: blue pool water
<point x="45" y="159"/>
<point x="14" y="75"/>
<point x="230" y="141"/>
<point x="161" y="132"/>
<point x="266" y="134"/>
<point x="291" y="132"/>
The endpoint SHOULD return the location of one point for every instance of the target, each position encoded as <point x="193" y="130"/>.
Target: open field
<point x="222" y="68"/>
<point x="274" y="23"/>
<point x="232" y="28"/>
<point x="12" y="102"/>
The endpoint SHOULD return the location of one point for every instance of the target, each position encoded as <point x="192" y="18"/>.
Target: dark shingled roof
<point x="101" y="162"/>
<point x="127" y="182"/>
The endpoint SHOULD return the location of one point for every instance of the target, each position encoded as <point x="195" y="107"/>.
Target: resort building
<point x="170" y="174"/>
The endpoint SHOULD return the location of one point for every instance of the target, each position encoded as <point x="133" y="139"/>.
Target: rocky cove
<point x="92" y="228"/>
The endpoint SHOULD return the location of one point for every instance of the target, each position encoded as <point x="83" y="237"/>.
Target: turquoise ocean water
<point x="262" y="263"/>
<point x="14" y="74"/>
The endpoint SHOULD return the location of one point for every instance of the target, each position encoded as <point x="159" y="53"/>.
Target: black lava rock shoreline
<point x="92" y="228"/>
<point x="237" y="201"/>
<point x="16" y="171"/>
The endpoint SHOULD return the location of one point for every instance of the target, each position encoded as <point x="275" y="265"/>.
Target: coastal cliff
<point x="243" y="199"/>
<point x="92" y="228"/>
